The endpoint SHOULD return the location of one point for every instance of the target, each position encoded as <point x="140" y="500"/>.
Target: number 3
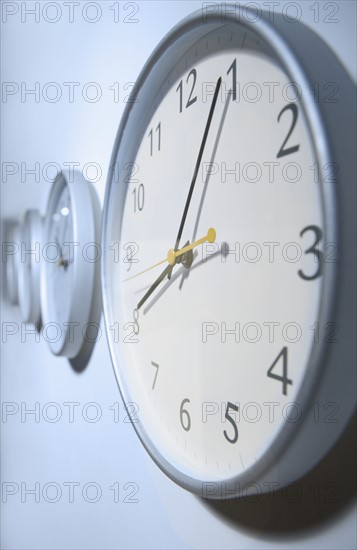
<point x="313" y="250"/>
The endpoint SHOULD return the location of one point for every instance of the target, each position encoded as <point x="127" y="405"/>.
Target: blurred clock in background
<point x="70" y="280"/>
<point x="31" y="241"/>
<point x="12" y="250"/>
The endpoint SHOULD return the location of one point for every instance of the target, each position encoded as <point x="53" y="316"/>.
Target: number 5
<point x="233" y="439"/>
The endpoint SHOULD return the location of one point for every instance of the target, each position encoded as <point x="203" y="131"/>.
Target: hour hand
<point x="186" y="260"/>
<point x="62" y="262"/>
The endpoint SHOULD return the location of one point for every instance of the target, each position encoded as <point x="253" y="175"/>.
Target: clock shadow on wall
<point x="321" y="496"/>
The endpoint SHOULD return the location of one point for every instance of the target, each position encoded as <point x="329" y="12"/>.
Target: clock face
<point x="60" y="268"/>
<point x="215" y="173"/>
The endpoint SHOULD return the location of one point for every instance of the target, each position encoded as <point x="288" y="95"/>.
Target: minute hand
<point x="159" y="280"/>
<point x="198" y="162"/>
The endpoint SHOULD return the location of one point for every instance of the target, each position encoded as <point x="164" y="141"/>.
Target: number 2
<point x="291" y="107"/>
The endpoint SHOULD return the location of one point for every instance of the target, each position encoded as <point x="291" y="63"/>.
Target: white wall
<point x="106" y="452"/>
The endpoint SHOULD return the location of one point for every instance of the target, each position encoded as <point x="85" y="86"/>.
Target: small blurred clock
<point x="70" y="277"/>
<point x="29" y="266"/>
<point x="13" y="252"/>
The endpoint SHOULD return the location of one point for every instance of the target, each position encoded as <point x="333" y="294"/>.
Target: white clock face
<point x="60" y="271"/>
<point x="213" y="356"/>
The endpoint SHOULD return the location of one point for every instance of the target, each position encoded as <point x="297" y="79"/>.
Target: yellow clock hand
<point x="172" y="254"/>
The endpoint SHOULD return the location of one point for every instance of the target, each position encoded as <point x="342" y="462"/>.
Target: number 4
<point x="284" y="378"/>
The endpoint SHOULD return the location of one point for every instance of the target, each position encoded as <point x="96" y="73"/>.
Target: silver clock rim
<point x="283" y="46"/>
<point x="83" y="272"/>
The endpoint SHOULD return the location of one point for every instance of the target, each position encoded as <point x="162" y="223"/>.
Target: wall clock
<point x="229" y="252"/>
<point x="12" y="265"/>
<point x="31" y="237"/>
<point x="69" y="277"/>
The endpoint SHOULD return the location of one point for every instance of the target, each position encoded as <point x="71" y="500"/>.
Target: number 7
<point x="156" y="373"/>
